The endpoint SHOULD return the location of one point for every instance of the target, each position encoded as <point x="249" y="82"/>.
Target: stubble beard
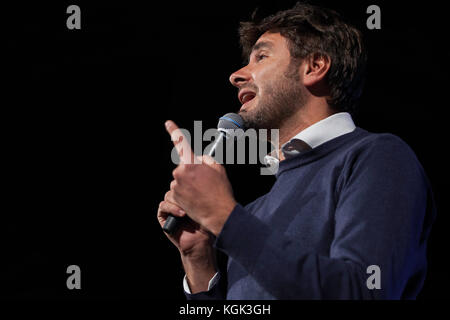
<point x="283" y="98"/>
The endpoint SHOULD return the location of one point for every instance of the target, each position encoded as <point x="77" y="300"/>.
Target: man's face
<point x="269" y="86"/>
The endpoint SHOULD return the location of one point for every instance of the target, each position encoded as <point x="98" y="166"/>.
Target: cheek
<point x="268" y="78"/>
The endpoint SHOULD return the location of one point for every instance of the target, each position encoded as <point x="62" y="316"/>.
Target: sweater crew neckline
<point x="318" y="152"/>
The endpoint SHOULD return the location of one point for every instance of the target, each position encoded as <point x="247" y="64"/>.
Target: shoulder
<point x="384" y="154"/>
<point x="385" y="146"/>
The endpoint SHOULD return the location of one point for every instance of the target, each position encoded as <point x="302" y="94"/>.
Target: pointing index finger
<point x="180" y="142"/>
<point x="170" y="126"/>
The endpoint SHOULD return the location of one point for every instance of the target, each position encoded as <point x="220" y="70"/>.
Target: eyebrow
<point x="262" y="44"/>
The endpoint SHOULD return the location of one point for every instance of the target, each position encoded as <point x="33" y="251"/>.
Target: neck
<point x="306" y="116"/>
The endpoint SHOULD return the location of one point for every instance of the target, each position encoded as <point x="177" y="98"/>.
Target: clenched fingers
<point x="171" y="208"/>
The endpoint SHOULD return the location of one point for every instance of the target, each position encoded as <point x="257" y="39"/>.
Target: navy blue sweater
<point x="358" y="200"/>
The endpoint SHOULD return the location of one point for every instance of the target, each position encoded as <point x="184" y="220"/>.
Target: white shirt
<point x="316" y="134"/>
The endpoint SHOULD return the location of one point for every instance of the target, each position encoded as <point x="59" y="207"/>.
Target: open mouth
<point x="246" y="96"/>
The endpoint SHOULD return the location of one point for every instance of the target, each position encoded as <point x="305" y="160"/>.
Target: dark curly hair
<point x="314" y="30"/>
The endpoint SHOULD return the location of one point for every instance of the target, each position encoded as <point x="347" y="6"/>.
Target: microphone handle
<point x="173" y="223"/>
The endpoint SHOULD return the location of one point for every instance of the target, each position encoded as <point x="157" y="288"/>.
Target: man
<point x="346" y="202"/>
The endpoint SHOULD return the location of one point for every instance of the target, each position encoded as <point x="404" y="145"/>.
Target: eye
<point x="260" y="56"/>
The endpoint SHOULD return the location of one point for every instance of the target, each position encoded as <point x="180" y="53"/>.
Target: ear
<point x="315" y="68"/>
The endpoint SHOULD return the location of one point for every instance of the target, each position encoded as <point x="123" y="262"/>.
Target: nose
<point x="240" y="77"/>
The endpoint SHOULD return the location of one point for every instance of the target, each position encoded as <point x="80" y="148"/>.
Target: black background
<point x="86" y="158"/>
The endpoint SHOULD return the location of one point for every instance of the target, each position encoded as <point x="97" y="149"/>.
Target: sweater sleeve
<point x="381" y="203"/>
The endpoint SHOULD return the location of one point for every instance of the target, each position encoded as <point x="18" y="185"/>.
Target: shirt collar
<point x="326" y="129"/>
<point x="320" y="132"/>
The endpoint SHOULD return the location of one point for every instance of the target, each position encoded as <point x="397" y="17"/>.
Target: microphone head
<point x="231" y="125"/>
<point x="230" y="121"/>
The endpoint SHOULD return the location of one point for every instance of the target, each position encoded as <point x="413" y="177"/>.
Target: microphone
<point x="226" y="126"/>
